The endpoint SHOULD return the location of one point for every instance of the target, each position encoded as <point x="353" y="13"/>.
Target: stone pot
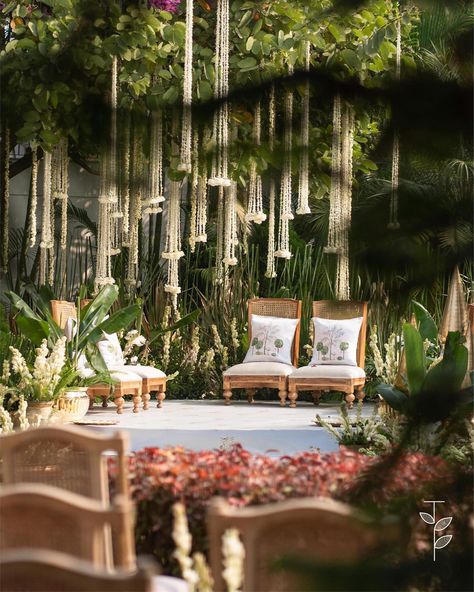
<point x="39" y="412"/>
<point x="72" y="405"/>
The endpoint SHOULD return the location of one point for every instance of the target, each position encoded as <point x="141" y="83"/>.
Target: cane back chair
<point x="45" y="517"/>
<point x="347" y="379"/>
<point x="127" y="383"/>
<point x="254" y="375"/>
<point x="313" y="529"/>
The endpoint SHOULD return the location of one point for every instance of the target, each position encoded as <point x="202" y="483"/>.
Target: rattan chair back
<point x="62" y="310"/>
<point x="67" y="457"/>
<point x="32" y="570"/>
<point x="313" y="529"/>
<point x="44" y="517"/>
<point x="286" y="308"/>
<point x="345" y="309"/>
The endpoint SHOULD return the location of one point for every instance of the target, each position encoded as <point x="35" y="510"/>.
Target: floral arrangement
<point x="134" y="343"/>
<point x="161" y="477"/>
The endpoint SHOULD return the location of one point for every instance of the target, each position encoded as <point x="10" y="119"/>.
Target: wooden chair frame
<point x="335" y="309"/>
<point x="266" y="307"/>
<point x="61" y="311"/>
<point x="38" y="570"/>
<point x="94" y="524"/>
<point x="93" y="444"/>
<point x="315" y="515"/>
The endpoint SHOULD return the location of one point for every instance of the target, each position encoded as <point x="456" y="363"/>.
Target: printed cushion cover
<point x="111" y="350"/>
<point x="272" y="338"/>
<point x="335" y="341"/>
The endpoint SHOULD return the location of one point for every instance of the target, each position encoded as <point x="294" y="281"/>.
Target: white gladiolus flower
<point x="233" y="553"/>
<point x="5" y="371"/>
<point x="234" y="333"/>
<point x="19" y="365"/>
<point x="6" y="424"/>
<point x="23" y="405"/>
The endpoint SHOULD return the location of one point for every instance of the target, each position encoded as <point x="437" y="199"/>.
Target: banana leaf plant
<point x="92" y="322"/>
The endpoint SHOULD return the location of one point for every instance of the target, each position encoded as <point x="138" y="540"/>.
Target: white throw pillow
<point x="111" y="350"/>
<point x="272" y="338"/>
<point x="335" y="341"/>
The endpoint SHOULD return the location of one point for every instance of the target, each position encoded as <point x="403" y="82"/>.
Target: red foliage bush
<point x="161" y="477"/>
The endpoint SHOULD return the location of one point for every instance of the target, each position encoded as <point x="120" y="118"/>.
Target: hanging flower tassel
<point x="124" y="194"/>
<point x="155" y="187"/>
<point x="394" y="223"/>
<point x="303" y="186"/>
<point x="271" y="271"/>
<point x="186" y="128"/>
<point x="220" y="270"/>
<point x="173" y="252"/>
<point x="6" y="199"/>
<point x="201" y="210"/>
<point x="255" y="205"/>
<point x="34" y="197"/>
<point x="219" y="176"/>
<point x="60" y="183"/>
<point x="285" y="190"/>
<point x="230" y="233"/>
<point x="47" y="241"/>
<point x="335" y="191"/>
<point x="342" y="270"/>
<point x="193" y="193"/>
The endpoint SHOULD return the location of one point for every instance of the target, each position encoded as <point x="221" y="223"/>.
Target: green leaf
<point x="205" y="90"/>
<point x="426" y="325"/>
<point x="34" y="329"/>
<point x="447" y="376"/>
<point x="393" y="397"/>
<point x="415" y="358"/>
<point x="119" y="321"/>
<point x="247" y="63"/>
<point x="186" y="320"/>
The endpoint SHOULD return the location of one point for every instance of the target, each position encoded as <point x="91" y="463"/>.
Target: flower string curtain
<point x="47" y="227"/>
<point x="270" y="270"/>
<point x="186" y="124"/>
<point x="220" y="270"/>
<point x="230" y="233"/>
<point x="34" y="197"/>
<point x="286" y="214"/>
<point x="155" y="170"/>
<point x="335" y="190"/>
<point x="124" y="189"/>
<point x="60" y="183"/>
<point x="219" y="174"/>
<point x="5" y="197"/>
<point x="255" y="204"/>
<point x="108" y="194"/>
<point x="393" y="222"/>
<point x="303" y="183"/>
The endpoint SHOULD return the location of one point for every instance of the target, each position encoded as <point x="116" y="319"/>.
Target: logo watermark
<point x="439" y="526"/>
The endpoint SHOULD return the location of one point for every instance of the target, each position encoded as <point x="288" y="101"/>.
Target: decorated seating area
<point x="236" y="296"/>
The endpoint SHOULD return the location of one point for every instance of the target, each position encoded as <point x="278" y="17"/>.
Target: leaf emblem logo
<point x="443" y="523"/>
<point x="443" y="541"/>
<point x="428" y="518"/>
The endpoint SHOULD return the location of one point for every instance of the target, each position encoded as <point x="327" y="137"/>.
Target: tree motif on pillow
<point x="336" y="341"/>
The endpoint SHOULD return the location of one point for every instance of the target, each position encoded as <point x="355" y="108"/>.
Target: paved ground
<point x="261" y="427"/>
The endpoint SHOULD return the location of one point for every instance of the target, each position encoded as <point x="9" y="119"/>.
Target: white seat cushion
<point x="124" y="376"/>
<point x="260" y="369"/>
<point x="326" y="371"/>
<point x="142" y="371"/>
<point x="111" y="350"/>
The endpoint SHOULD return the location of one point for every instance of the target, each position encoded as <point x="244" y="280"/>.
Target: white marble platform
<point x="263" y="427"/>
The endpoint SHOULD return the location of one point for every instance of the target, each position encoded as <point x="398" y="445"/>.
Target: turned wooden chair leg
<point x="161" y="396"/>
<point x="350" y="400"/>
<point x="292" y="395"/>
<point x="360" y="393"/>
<point x="119" y="401"/>
<point x="316" y="397"/>
<point x="283" y="394"/>
<point x="137" y="397"/>
<point x="250" y="395"/>
<point x="104" y="402"/>
<point x="145" y="400"/>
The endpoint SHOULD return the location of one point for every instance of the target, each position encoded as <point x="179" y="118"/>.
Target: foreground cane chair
<point x="253" y="375"/>
<point x="67" y="457"/>
<point x="348" y="379"/>
<point x="41" y="570"/>
<point x="44" y="517"/>
<point x="127" y="383"/>
<point x="313" y="529"/>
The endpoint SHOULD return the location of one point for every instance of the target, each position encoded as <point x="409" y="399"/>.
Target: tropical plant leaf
<point x="428" y="518"/>
<point x="426" y="325"/>
<point x="395" y="398"/>
<point x="415" y="358"/>
<point x="34" y="329"/>
<point x="186" y="320"/>
<point x="443" y="523"/>
<point x="448" y="375"/>
<point x="119" y="321"/>
<point x="443" y="541"/>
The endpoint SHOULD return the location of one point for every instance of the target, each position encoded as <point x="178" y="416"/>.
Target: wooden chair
<point x="39" y="570"/>
<point x="67" y="457"/>
<point x="336" y="377"/>
<point x="127" y="383"/>
<point x="44" y="517"/>
<point x="253" y="375"/>
<point x="316" y="529"/>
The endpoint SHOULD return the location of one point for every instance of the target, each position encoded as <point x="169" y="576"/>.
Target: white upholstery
<point x="260" y="369"/>
<point x="272" y="338"/>
<point x="111" y="350"/>
<point x="335" y="341"/>
<point x="326" y="371"/>
<point x="122" y="376"/>
<point x="142" y="371"/>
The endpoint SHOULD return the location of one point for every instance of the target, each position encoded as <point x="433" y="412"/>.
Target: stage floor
<point x="263" y="427"/>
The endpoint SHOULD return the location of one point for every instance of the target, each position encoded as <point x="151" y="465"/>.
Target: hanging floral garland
<point x="303" y="185"/>
<point x="394" y="223"/>
<point x="60" y="183"/>
<point x="186" y="125"/>
<point x="34" y="196"/>
<point x="230" y="235"/>
<point x="155" y="174"/>
<point x="271" y="271"/>
<point x="335" y="190"/>
<point x="255" y="205"/>
<point x="219" y="175"/>
<point x="194" y="192"/>
<point x="286" y="214"/>
<point x="47" y="224"/>
<point x="220" y="269"/>
<point x="6" y="198"/>
<point x="124" y="190"/>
